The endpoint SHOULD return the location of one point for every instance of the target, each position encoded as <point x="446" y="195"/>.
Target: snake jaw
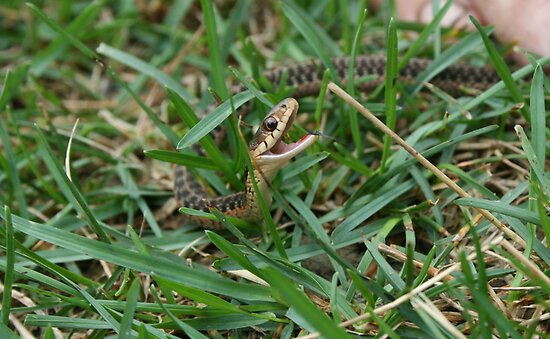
<point x="267" y="149"/>
<point x="282" y="151"/>
<point x="269" y="162"/>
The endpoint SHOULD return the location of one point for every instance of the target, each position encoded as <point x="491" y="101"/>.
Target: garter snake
<point x="269" y="152"/>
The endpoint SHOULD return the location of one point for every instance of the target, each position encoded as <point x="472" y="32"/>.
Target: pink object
<point x="522" y="22"/>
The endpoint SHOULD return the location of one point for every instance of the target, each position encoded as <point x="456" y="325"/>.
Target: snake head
<point x="267" y="149"/>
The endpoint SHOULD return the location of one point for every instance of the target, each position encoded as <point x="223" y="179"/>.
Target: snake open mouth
<point x="267" y="147"/>
<point x="283" y="150"/>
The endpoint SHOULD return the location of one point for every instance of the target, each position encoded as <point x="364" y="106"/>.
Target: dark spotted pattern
<point x="307" y="76"/>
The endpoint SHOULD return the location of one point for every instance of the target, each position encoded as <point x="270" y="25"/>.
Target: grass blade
<point x="538" y="136"/>
<point x="448" y="57"/>
<point x="56" y="48"/>
<point x="501" y="68"/>
<point x="536" y="165"/>
<point x="200" y="296"/>
<point x="131" y="301"/>
<point x="213" y="119"/>
<point x="520" y="73"/>
<point x="369" y="209"/>
<point x="499" y="207"/>
<point x="70" y="190"/>
<point x="248" y="85"/>
<point x="200" y="129"/>
<point x="9" y="271"/>
<point x="143" y="68"/>
<point x="351" y="81"/>
<point x="538" y="114"/>
<point x="302" y="305"/>
<point x="311" y="33"/>
<point x="67" y="35"/>
<point x="216" y="61"/>
<point x="113" y="323"/>
<point x="120" y="255"/>
<point x="424" y="35"/>
<point x="13" y="172"/>
<point x="390" y="94"/>
<point x="187" y="160"/>
<point x="189" y="330"/>
<point x="231" y="250"/>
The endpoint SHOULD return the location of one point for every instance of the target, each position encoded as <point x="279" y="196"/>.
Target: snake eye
<point x="283" y="106"/>
<point x="270" y="124"/>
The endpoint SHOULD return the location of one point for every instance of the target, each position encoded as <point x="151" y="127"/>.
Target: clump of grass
<point x="92" y="247"/>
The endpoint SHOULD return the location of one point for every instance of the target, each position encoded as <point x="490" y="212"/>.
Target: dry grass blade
<point x="424" y="303"/>
<point x="422" y="160"/>
<point x="413" y="293"/>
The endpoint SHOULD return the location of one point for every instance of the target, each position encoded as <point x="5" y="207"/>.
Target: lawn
<point x="419" y="212"/>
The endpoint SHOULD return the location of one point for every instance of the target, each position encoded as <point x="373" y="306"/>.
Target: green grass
<point x="89" y="246"/>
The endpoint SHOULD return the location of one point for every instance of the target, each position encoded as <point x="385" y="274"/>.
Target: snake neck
<point x="243" y="205"/>
<point x="264" y="188"/>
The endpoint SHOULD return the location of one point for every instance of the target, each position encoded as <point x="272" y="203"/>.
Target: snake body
<point x="269" y="153"/>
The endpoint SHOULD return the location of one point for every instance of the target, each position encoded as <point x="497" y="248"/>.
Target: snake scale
<point x="269" y="152"/>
